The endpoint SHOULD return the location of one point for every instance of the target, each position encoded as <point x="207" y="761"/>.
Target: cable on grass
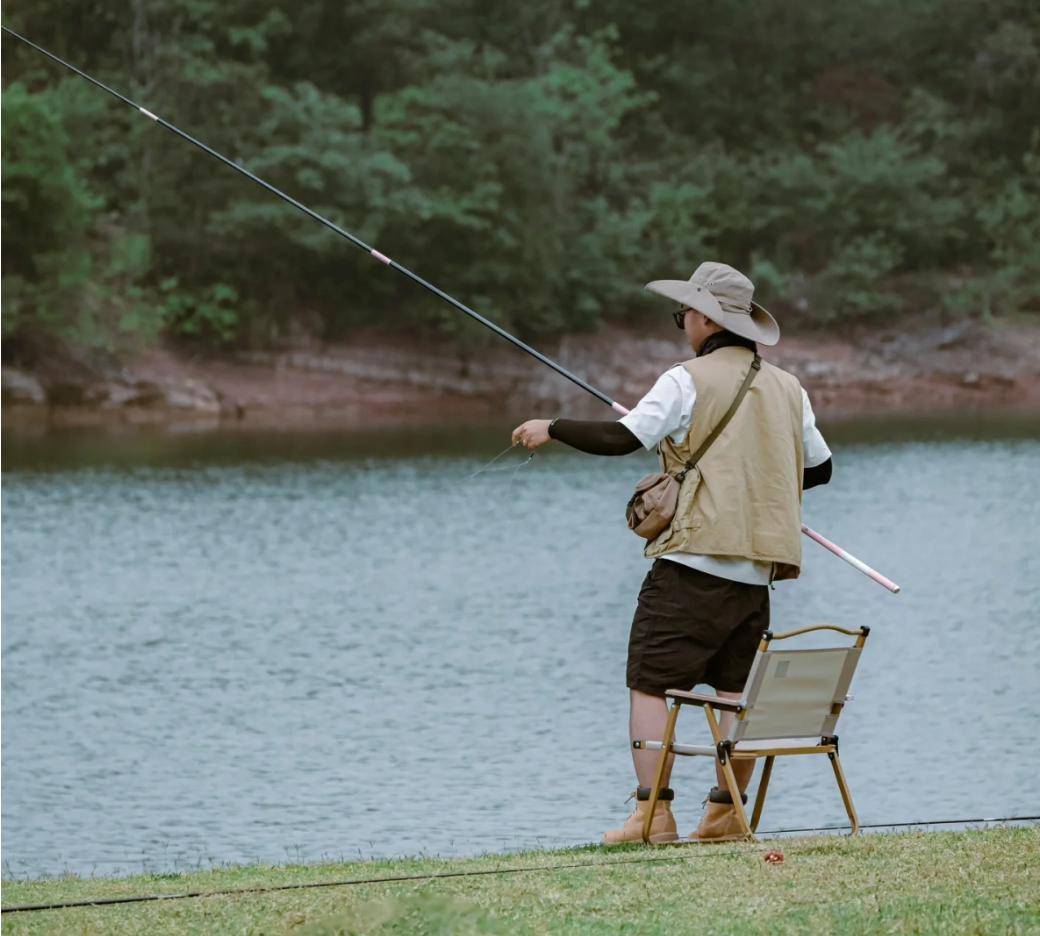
<point x="717" y="851"/>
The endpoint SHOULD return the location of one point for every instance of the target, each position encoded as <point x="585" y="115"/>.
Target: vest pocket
<point x="685" y="517"/>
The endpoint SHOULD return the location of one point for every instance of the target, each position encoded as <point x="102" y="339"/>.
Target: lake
<point x="301" y="646"/>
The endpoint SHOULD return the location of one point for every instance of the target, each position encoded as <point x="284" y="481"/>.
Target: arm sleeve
<point x="597" y="437"/>
<point x="817" y="474"/>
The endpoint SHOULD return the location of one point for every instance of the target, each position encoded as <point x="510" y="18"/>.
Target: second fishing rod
<point x="394" y="265"/>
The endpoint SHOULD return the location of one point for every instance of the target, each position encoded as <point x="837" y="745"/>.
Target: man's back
<point x="743" y="502"/>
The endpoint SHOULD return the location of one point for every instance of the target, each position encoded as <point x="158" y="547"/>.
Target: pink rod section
<point x="618" y="408"/>
<point x="382" y="258"/>
<point x="851" y="560"/>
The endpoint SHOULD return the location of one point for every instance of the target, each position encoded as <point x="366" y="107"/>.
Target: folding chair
<point x="791" y="698"/>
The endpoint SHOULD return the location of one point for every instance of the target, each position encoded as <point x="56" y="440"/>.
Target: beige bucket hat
<point x="724" y="295"/>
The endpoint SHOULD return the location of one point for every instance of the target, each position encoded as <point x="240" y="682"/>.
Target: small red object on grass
<point x="773" y="857"/>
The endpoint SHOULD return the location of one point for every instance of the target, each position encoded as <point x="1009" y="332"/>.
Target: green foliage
<point x="523" y="177"/>
<point x="47" y="208"/>
<point x="209" y="315"/>
<point x="540" y="162"/>
<point x="1010" y="225"/>
<point x="68" y="270"/>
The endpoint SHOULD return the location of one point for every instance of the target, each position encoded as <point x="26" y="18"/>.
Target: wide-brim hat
<point x="724" y="295"/>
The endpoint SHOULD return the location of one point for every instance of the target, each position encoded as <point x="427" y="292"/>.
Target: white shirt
<point x="667" y="410"/>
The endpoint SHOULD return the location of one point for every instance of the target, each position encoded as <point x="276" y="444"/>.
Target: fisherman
<point x="704" y="604"/>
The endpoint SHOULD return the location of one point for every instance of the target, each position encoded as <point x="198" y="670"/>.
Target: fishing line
<point x="714" y="851"/>
<point x="905" y="825"/>
<point x="488" y="467"/>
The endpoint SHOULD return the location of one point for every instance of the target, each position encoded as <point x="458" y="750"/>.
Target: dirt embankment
<point x="380" y="380"/>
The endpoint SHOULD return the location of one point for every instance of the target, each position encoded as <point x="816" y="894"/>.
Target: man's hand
<point x="531" y="434"/>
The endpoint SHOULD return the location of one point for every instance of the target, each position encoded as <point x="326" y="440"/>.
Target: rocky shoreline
<point x="379" y="380"/>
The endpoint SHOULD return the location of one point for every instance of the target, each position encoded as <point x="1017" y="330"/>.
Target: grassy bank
<point x="950" y="882"/>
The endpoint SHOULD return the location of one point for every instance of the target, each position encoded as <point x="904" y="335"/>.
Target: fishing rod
<point x="414" y="277"/>
<point x="321" y="219"/>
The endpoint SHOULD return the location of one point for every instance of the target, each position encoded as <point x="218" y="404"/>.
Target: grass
<point x="942" y="882"/>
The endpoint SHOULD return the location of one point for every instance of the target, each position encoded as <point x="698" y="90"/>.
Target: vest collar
<point x="725" y="339"/>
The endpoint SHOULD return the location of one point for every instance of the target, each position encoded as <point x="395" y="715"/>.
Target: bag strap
<point x="756" y="365"/>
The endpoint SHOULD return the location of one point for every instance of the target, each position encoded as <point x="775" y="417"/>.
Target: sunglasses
<point x="679" y="316"/>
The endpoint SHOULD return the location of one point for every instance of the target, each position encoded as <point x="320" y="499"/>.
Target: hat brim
<point x="759" y="325"/>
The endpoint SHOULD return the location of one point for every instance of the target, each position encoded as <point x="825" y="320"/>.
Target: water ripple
<point x="250" y="661"/>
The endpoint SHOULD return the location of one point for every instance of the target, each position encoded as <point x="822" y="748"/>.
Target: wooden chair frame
<point x="725" y="752"/>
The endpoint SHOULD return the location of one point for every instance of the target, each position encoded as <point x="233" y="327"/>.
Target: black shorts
<point x="691" y="627"/>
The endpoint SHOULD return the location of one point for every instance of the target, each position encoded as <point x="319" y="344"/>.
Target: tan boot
<point x="719" y="822"/>
<point x="662" y="829"/>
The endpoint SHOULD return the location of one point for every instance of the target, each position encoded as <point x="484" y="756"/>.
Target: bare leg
<point x="742" y="769"/>
<point x="646" y="722"/>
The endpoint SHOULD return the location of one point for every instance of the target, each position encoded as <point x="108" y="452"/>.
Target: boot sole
<point x="661" y="838"/>
<point x="693" y="840"/>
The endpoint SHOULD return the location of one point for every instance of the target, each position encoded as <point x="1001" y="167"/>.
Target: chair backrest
<point x="797" y="693"/>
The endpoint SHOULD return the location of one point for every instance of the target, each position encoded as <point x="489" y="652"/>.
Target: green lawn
<point x="942" y="882"/>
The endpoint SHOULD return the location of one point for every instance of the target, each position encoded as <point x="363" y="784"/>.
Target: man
<point x="704" y="604"/>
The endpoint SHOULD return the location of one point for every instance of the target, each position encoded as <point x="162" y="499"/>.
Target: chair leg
<point x="738" y="799"/>
<point x="846" y="796"/>
<point x="760" y="796"/>
<point x="666" y="745"/>
<point x="727" y="772"/>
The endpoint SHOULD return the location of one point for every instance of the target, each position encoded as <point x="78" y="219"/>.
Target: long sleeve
<point x="594" y="436"/>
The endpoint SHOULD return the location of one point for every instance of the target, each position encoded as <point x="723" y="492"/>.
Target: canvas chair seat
<point x="789" y="707"/>
<point x="742" y="747"/>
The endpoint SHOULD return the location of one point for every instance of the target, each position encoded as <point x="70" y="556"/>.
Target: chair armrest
<point x="697" y="698"/>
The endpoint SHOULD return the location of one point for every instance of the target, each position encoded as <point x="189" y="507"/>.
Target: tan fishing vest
<point x="744" y="498"/>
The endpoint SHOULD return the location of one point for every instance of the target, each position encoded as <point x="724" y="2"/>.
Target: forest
<point x="861" y="161"/>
